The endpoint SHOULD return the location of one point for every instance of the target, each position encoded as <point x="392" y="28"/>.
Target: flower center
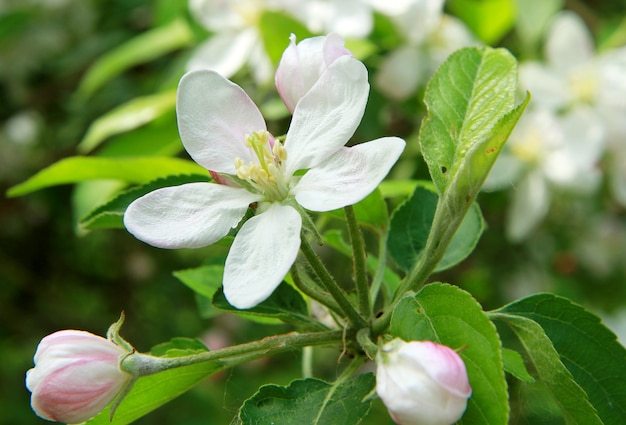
<point x="265" y="176"/>
<point x="530" y="148"/>
<point x="584" y="85"/>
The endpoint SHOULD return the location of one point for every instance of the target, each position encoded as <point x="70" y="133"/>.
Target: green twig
<point x="140" y="364"/>
<point x="331" y="285"/>
<point x="359" y="256"/>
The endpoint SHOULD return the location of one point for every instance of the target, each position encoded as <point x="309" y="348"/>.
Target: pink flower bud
<point x="76" y="375"/>
<point x="422" y="383"/>
<point x="303" y="64"/>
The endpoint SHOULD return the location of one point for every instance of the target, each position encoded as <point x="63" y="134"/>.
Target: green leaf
<point x="111" y="214"/>
<point x="589" y="350"/>
<point x="276" y="27"/>
<point x="404" y="188"/>
<point x="153" y="391"/>
<point x="179" y="346"/>
<point x="570" y="397"/>
<point x="157" y="138"/>
<point x="206" y="282"/>
<point x="448" y="315"/>
<point x="471" y="112"/>
<point x="81" y="168"/>
<point x="310" y="401"/>
<point x="284" y="305"/>
<point x="411" y="223"/>
<point x="490" y="20"/>
<point x="143" y="48"/>
<point x="514" y="364"/>
<point x="130" y="115"/>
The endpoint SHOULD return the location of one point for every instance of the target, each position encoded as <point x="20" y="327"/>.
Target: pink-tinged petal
<point x="302" y="65"/>
<point x="214" y="116"/>
<point x="327" y="116"/>
<point x="188" y="216"/>
<point x="261" y="255"/>
<point x="76" y="375"/>
<point x="349" y="175"/>
<point x="224" y="53"/>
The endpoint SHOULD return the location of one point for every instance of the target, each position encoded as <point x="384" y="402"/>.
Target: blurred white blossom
<point x="546" y="152"/>
<point x="430" y="37"/>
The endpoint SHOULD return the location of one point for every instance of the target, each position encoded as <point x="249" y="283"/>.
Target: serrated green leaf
<point x="276" y="27"/>
<point x="81" y="168"/>
<point x="468" y="99"/>
<point x="450" y="316"/>
<point x="490" y="20"/>
<point x="589" y="350"/>
<point x="310" y="401"/>
<point x="128" y="116"/>
<point x="514" y="364"/>
<point x="157" y="138"/>
<point x="411" y="224"/>
<point x="153" y="391"/>
<point x="284" y="305"/>
<point x="111" y="214"/>
<point x="570" y="397"/>
<point x="143" y="48"/>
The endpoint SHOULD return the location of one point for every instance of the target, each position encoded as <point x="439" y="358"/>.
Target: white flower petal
<point x="569" y="42"/>
<point x="531" y="202"/>
<point x="401" y="72"/>
<point x="188" y="216"/>
<point x="261" y="255"/>
<point x="548" y="88"/>
<point x="506" y="171"/>
<point x="327" y="116"/>
<point x="214" y="116"/>
<point x="349" y="175"/>
<point x="224" y="53"/>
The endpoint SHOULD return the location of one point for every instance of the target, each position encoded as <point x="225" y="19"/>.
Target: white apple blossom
<point x="302" y="65"/>
<point x="76" y="375"/>
<point x="544" y="153"/>
<point x="430" y="37"/>
<point x="575" y="75"/>
<point x="236" y="39"/>
<point x="224" y="131"/>
<point x="422" y="383"/>
<point x="350" y="18"/>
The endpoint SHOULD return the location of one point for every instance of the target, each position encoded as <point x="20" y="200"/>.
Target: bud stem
<point x="139" y="364"/>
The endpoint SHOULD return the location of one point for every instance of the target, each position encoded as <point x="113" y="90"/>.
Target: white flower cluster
<point x="575" y="121"/>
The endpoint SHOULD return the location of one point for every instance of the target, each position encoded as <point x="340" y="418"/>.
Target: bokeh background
<point x="54" y="275"/>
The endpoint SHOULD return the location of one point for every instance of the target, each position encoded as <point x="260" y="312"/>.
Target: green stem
<point x="360" y="261"/>
<point x="444" y="226"/>
<point x="331" y="285"/>
<point x="379" y="275"/>
<point x="312" y="292"/>
<point x="140" y="364"/>
<point x="363" y="337"/>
